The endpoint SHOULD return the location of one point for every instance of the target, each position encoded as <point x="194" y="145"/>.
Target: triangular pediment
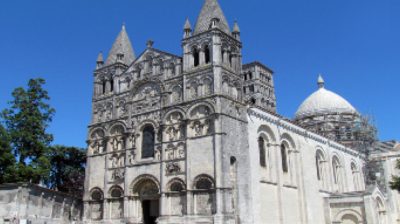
<point x="152" y="57"/>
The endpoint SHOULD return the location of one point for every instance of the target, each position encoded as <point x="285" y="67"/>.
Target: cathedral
<point x="196" y="138"/>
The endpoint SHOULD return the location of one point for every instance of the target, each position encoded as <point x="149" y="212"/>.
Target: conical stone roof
<point x="122" y="45"/>
<point x="211" y="10"/>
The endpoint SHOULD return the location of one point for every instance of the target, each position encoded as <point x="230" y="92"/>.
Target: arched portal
<point x="147" y="193"/>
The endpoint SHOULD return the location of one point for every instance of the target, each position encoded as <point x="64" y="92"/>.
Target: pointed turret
<point x="100" y="60"/>
<point x="211" y="11"/>
<point x="236" y="31"/>
<point x="121" y="50"/>
<point x="187" y="29"/>
<point x="321" y="82"/>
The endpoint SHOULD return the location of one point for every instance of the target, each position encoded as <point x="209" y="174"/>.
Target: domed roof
<point x="323" y="102"/>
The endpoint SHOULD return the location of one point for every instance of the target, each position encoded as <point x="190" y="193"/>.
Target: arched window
<point x="148" y="142"/>
<point x="285" y="167"/>
<point x="207" y="54"/>
<point x="261" y="147"/>
<point x="204" y="184"/>
<point x="204" y="196"/>
<point x="319" y="159"/>
<point x="177" y="198"/>
<point x="176" y="187"/>
<point x="196" y="57"/>
<point x="96" y="204"/>
<point x="111" y="85"/>
<point x="116" y="203"/>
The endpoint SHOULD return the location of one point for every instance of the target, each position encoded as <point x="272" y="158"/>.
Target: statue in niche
<point x="206" y="127"/>
<point x="193" y="91"/>
<point x="100" y="146"/>
<point x="121" y="161"/>
<point x="120" y="145"/>
<point x="95" y="147"/>
<point x="100" y="115"/>
<point x="173" y="168"/>
<point x="131" y="157"/>
<point x="109" y="113"/>
<point x="197" y="128"/>
<point x="176" y="94"/>
<point x="114" y="161"/>
<point x="122" y="109"/>
<point x="180" y="152"/>
<point x="114" y="144"/>
<point x="132" y="140"/>
<point x="170" y="154"/>
<point x="157" y="154"/>
<point x="173" y="133"/>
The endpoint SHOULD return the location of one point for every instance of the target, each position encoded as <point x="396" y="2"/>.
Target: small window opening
<point x="207" y="54"/>
<point x="196" y="57"/>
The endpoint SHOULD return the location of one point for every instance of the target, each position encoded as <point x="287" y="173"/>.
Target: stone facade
<point x="196" y="139"/>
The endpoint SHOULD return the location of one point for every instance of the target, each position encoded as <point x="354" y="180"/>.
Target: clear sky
<point x="355" y="44"/>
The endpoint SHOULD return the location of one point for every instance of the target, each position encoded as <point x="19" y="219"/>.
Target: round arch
<point x="145" y="184"/>
<point x="267" y="132"/>
<point x="349" y="215"/>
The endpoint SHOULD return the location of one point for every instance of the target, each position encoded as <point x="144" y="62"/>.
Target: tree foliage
<point x="67" y="169"/>
<point x="26" y="121"/>
<point x="7" y="160"/>
<point x="395" y="183"/>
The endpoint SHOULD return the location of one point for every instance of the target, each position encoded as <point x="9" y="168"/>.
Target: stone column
<point x="276" y="148"/>
<point x="225" y="57"/>
<point x="202" y="57"/>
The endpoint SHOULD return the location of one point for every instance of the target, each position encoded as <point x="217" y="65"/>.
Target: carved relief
<point x="169" y="153"/>
<point x="180" y="152"/>
<point x="157" y="154"/>
<point x="201" y="123"/>
<point x="176" y="94"/>
<point x="193" y="90"/>
<point x="122" y="110"/>
<point x="208" y="86"/>
<point x="117" y="161"/>
<point x="108" y="111"/>
<point x="131" y="157"/>
<point x="173" y="168"/>
<point x="147" y="97"/>
<point x="118" y="175"/>
<point x="96" y="142"/>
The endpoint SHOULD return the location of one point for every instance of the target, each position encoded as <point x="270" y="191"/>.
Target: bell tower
<point x="212" y="46"/>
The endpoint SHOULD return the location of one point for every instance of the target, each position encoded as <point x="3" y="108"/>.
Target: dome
<point x="323" y="102"/>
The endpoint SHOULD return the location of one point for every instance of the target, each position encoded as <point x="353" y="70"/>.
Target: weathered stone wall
<point x="27" y="202"/>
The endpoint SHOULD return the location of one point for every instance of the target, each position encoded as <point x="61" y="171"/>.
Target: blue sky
<point x="353" y="43"/>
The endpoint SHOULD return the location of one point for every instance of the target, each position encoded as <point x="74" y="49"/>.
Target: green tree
<point x="26" y="121"/>
<point x="67" y="169"/>
<point x="7" y="160"/>
<point x="395" y="183"/>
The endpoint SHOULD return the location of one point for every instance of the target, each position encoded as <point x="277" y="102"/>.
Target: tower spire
<point x="321" y="82"/>
<point x="211" y="10"/>
<point x="187" y="28"/>
<point x="121" y="50"/>
<point x="100" y="60"/>
<point x="236" y="31"/>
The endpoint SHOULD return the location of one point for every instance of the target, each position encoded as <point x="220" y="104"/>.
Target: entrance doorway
<point x="150" y="211"/>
